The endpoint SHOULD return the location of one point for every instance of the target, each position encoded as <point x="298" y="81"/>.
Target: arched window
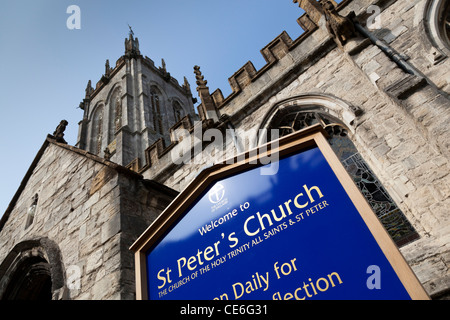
<point x="31" y="281"/>
<point x="177" y="111"/>
<point x="293" y="119"/>
<point x="97" y="131"/>
<point x="118" y="117"/>
<point x="443" y="19"/>
<point x="31" y="211"/>
<point x="115" y="115"/>
<point x="32" y="270"/>
<point x="155" y="99"/>
<point x="437" y="17"/>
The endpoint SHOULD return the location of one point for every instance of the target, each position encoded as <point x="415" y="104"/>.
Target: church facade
<point x="373" y="73"/>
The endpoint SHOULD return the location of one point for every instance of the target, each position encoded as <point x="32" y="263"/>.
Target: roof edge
<point x="24" y="182"/>
<point x="51" y="140"/>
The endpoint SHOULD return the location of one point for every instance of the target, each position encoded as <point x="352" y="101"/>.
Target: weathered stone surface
<point x="391" y="96"/>
<point x="402" y="133"/>
<point x="86" y="225"/>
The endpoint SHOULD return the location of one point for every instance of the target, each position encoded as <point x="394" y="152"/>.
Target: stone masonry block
<point x="94" y="260"/>
<point x="110" y="228"/>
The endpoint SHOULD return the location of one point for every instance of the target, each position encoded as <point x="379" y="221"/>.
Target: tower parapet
<point x="132" y="46"/>
<point x="133" y="105"/>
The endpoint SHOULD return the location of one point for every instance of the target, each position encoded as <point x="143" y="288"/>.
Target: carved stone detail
<point x="341" y="28"/>
<point x="59" y="131"/>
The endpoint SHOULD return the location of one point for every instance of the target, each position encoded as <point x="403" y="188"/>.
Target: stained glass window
<point x="444" y="22"/>
<point x="382" y="204"/>
<point x="393" y="219"/>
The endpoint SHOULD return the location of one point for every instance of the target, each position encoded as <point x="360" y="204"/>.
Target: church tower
<point x="133" y="105"/>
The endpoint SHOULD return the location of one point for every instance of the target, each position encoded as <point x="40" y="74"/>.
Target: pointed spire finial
<point x="186" y="85"/>
<point x="207" y="108"/>
<point x="201" y="82"/>
<point x="131" y="33"/>
<point x="132" y="45"/>
<point x="89" y="89"/>
<point x="108" y="69"/>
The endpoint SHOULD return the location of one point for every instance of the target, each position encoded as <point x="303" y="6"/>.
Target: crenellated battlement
<point x="371" y="74"/>
<point x="159" y="156"/>
<point x="134" y="104"/>
<point x="109" y="74"/>
<point x="284" y="58"/>
<point x="215" y="107"/>
<point x="275" y="51"/>
<point x="272" y="53"/>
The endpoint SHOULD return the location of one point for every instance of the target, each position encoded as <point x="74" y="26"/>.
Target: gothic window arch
<point x="31" y="211"/>
<point x="115" y="114"/>
<point x="32" y="281"/>
<point x="437" y="18"/>
<point x="295" y="118"/>
<point x="97" y="130"/>
<point x="118" y="117"/>
<point x="178" y="112"/>
<point x="33" y="270"/>
<point x="156" y="103"/>
<point x="445" y="22"/>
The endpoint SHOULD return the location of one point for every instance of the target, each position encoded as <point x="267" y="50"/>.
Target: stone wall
<point x="382" y="85"/>
<point x="92" y="210"/>
<point x="393" y="100"/>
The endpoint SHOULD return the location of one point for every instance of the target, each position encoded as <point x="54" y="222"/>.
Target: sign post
<point x="304" y="232"/>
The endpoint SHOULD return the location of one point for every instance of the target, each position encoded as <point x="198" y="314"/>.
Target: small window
<point x="118" y="115"/>
<point x="177" y="111"/>
<point x="156" y="108"/>
<point x="31" y="211"/>
<point x="97" y="131"/>
<point x="437" y="22"/>
<point x="115" y="115"/>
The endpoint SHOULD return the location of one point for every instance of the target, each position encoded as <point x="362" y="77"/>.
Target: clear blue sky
<point x="44" y="66"/>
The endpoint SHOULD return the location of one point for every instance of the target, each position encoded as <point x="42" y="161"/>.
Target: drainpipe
<point x="394" y="56"/>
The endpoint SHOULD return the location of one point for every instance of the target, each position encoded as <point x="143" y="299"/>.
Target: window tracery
<point x="155" y="98"/>
<point x="177" y="111"/>
<point x="291" y="120"/>
<point x="437" y="24"/>
<point x="444" y="22"/>
<point x="118" y="114"/>
<point x="97" y="131"/>
<point x="115" y="114"/>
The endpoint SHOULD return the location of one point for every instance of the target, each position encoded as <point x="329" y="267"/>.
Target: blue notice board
<point x="294" y="235"/>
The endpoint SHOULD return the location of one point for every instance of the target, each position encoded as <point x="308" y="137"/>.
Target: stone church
<point x="374" y="73"/>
